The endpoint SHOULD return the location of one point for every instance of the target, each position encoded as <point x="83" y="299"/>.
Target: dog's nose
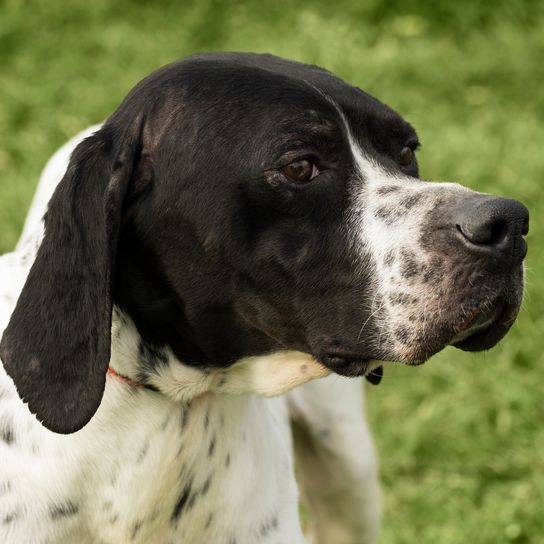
<point x="494" y="227"/>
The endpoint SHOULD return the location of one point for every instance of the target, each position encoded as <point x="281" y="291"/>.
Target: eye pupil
<point x="406" y="156"/>
<point x="299" y="170"/>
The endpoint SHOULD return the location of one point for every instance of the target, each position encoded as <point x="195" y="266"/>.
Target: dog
<point x="241" y="227"/>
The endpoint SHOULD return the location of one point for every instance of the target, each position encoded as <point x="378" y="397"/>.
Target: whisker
<point x="368" y="319"/>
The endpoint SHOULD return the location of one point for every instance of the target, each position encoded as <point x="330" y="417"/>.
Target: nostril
<point x="498" y="232"/>
<point x="492" y="222"/>
<point x="489" y="233"/>
<point x="493" y="227"/>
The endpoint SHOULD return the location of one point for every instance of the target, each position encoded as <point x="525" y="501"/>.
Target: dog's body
<point x="226" y="266"/>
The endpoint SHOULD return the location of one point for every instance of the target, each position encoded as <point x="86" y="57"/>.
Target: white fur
<point x="397" y="235"/>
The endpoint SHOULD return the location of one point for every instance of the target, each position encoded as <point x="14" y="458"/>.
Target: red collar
<point x="125" y="379"/>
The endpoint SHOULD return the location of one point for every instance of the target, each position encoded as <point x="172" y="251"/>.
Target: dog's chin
<point x="353" y="365"/>
<point x="346" y="364"/>
<point x="480" y="330"/>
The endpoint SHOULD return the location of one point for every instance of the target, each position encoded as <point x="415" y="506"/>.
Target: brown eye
<point x="406" y="156"/>
<point x="300" y="171"/>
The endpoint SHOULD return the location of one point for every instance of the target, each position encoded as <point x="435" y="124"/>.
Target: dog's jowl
<point x="239" y="226"/>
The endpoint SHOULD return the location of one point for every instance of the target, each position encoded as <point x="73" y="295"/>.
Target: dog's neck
<point x="193" y="436"/>
<point x="158" y="368"/>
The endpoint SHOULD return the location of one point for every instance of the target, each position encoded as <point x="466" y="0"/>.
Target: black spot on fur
<point x="184" y="417"/>
<point x="114" y="519"/>
<point x="209" y="521"/>
<point x="7" y="434"/>
<point x="10" y="517"/>
<point x="428" y="275"/>
<point x="181" y="502"/>
<point x="143" y="452"/>
<point x="152" y="355"/>
<point x="388" y="189"/>
<point x="5" y="487"/>
<point x="206" y="487"/>
<point x="409" y="202"/>
<point x="227" y="461"/>
<point x="211" y="448"/>
<point x="136" y="529"/>
<point x="386" y="214"/>
<point x="389" y="258"/>
<point x="265" y="528"/>
<point x="402" y="299"/>
<point x="63" y="510"/>
<point x="409" y="266"/>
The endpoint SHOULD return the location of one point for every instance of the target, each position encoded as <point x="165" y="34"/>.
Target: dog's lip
<point x="477" y="321"/>
<point x="485" y="333"/>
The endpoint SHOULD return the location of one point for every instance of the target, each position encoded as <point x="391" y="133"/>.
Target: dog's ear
<point x="57" y="344"/>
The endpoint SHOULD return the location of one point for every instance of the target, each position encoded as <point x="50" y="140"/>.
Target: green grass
<point x="462" y="438"/>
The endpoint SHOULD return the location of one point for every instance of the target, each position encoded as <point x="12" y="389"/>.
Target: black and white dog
<point x="240" y="225"/>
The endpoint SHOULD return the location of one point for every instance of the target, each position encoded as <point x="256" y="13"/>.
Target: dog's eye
<point x="301" y="171"/>
<point x="406" y="156"/>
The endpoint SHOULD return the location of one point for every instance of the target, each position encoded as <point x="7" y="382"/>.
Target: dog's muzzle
<point x="464" y="289"/>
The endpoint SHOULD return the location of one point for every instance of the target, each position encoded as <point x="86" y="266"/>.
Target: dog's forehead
<point x="362" y="111"/>
<point x="243" y="88"/>
<point x="261" y="87"/>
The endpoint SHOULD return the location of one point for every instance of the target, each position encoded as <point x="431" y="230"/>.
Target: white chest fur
<point x="147" y="469"/>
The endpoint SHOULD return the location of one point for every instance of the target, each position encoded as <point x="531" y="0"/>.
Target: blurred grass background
<point x="461" y="439"/>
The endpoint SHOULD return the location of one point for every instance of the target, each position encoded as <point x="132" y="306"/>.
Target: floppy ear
<point x="57" y="344"/>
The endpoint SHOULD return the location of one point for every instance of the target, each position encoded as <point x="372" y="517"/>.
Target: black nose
<point x="494" y="227"/>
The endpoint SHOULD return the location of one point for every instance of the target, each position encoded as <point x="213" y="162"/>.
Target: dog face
<point x="237" y="205"/>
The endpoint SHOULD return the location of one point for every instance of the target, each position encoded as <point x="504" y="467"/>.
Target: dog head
<point x="236" y="205"/>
